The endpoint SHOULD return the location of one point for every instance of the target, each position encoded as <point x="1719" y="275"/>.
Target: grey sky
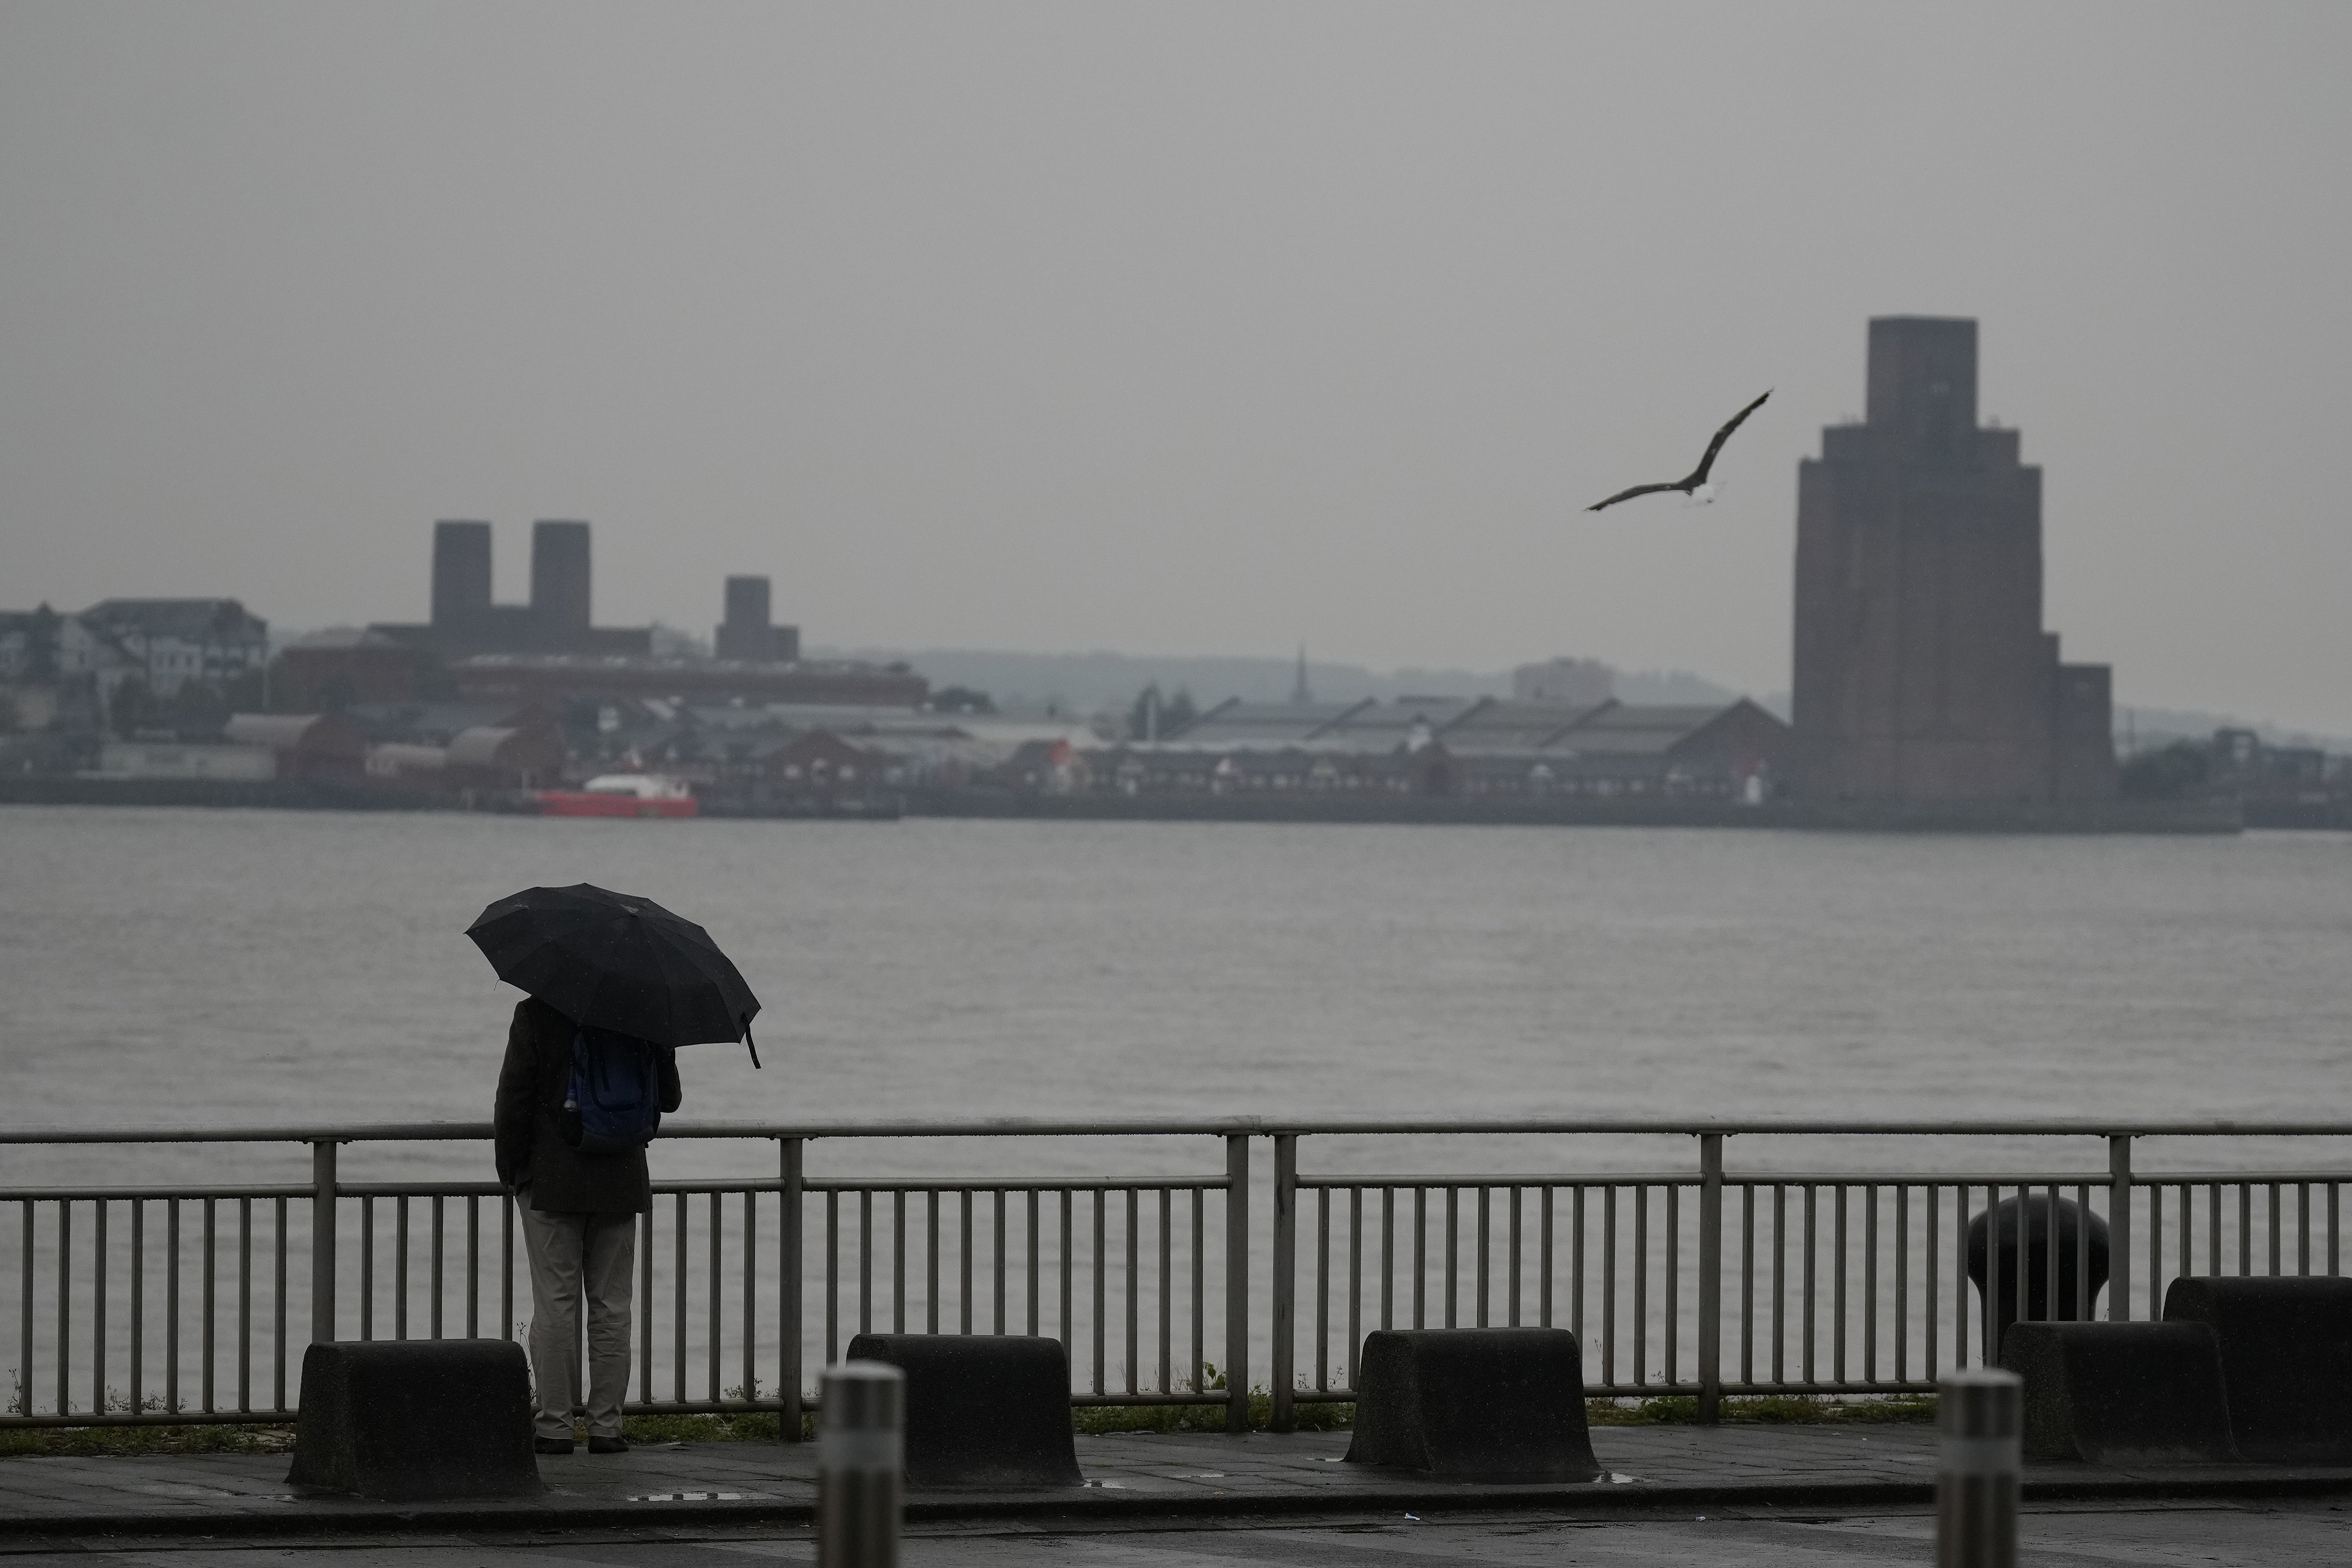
<point x="1182" y="328"/>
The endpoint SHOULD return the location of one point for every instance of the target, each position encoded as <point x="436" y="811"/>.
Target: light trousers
<point x="573" y="1256"/>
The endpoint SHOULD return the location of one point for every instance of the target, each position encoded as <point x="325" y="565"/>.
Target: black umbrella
<point x="613" y="961"/>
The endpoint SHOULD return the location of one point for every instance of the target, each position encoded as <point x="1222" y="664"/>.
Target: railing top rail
<point x="457" y="1131"/>
<point x="476" y="1132"/>
<point x="1968" y="1128"/>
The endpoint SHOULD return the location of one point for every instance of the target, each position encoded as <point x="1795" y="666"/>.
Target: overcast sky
<point x="1174" y="329"/>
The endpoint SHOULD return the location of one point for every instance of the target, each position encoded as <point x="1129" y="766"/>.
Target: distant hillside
<point x="1093" y="682"/>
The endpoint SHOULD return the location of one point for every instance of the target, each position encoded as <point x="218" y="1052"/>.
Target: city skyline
<point x="1334" y="356"/>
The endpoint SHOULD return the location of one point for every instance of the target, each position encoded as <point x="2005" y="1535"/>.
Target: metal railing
<point x="140" y="1304"/>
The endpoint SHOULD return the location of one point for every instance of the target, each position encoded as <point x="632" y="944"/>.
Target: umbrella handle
<point x="749" y="1045"/>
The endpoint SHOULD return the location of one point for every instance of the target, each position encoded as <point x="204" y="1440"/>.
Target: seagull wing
<point x="1698" y="475"/>
<point x="1629" y="495"/>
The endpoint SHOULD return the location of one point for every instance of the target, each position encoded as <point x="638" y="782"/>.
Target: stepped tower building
<point x="1922" y="671"/>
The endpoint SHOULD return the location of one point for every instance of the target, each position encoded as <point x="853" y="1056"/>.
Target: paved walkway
<point x="1131" y="1478"/>
<point x="2146" y="1535"/>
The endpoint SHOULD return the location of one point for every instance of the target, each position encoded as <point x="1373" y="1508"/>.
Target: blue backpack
<point x="613" y="1103"/>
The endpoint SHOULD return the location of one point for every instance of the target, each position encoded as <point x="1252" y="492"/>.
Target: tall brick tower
<point x="1922" y="673"/>
<point x="560" y="583"/>
<point x="461" y="576"/>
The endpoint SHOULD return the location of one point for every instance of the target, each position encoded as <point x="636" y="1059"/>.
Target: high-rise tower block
<point x="461" y="574"/>
<point x="558" y="579"/>
<point x="1922" y="673"/>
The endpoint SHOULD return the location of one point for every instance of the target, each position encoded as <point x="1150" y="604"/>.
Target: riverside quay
<point x="1180" y="1262"/>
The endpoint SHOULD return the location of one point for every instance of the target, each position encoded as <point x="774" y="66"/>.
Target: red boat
<point x="620" y="795"/>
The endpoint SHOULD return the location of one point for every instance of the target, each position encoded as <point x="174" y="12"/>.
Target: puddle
<point x="697" y="1497"/>
<point x="1620" y="1478"/>
<point x="190" y="1492"/>
<point x="1111" y="1486"/>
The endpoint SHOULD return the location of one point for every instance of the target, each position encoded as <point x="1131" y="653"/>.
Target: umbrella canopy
<point x="614" y="960"/>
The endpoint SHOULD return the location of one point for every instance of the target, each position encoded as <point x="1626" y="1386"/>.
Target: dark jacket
<point x="532" y="1152"/>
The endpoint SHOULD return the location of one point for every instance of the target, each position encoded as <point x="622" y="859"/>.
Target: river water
<point x="239" y="968"/>
<point x="189" y="966"/>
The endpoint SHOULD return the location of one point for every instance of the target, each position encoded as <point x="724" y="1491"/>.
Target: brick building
<point x="557" y="620"/>
<point x="1922" y="671"/>
<point x="343" y="665"/>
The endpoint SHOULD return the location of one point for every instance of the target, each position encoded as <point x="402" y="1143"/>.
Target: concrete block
<point x="2121" y="1393"/>
<point x="407" y="1420"/>
<point x="983" y="1410"/>
<point x="2286" y="1361"/>
<point x="1474" y="1405"/>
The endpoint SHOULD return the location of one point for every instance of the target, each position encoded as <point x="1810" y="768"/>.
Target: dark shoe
<point x="552" y="1445"/>
<point x="608" y="1445"/>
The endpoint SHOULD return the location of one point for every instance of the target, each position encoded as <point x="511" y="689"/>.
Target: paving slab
<point x="1136" y="1476"/>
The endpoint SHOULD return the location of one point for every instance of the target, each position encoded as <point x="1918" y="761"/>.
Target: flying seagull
<point x="1698" y="476"/>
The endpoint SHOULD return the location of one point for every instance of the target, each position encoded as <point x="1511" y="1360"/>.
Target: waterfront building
<point x="345" y="665"/>
<point x="1734" y="749"/>
<point x="1922" y="671"/>
<point x="65" y="673"/>
<point x="504" y="757"/>
<point x="1236" y="725"/>
<point x="32" y="645"/>
<point x="166" y="643"/>
<point x="1466" y="746"/>
<point x="557" y="620"/>
<point x="214" y="760"/>
<point x="818" y="761"/>
<point x="306" y="746"/>
<point x="747" y="634"/>
<point x="438" y="723"/>
<point x="252" y="748"/>
<point x="550" y="652"/>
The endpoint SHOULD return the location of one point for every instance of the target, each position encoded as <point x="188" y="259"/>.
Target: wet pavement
<point x="1132" y="1481"/>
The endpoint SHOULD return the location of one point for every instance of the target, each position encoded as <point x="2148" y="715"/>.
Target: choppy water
<point x="193" y="967"/>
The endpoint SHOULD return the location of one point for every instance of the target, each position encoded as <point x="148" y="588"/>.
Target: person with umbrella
<point x="617" y="985"/>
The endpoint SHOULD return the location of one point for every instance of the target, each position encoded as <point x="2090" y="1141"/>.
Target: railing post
<point x="1237" y="1267"/>
<point x="1279" y="1377"/>
<point x="2119" y="1230"/>
<point x="790" y="1153"/>
<point x="322" y="1241"/>
<point x="1710" y="1279"/>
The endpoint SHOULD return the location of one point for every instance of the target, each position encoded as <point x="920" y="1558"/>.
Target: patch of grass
<point x="717" y="1427"/>
<point x="1097" y="1419"/>
<point x="766" y="1426"/>
<point x="95" y="1442"/>
<point x="1766" y="1410"/>
<point x="725" y="1426"/>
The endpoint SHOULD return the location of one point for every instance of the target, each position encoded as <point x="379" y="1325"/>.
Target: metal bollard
<point x="1981" y="1413"/>
<point x="860" y="1457"/>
